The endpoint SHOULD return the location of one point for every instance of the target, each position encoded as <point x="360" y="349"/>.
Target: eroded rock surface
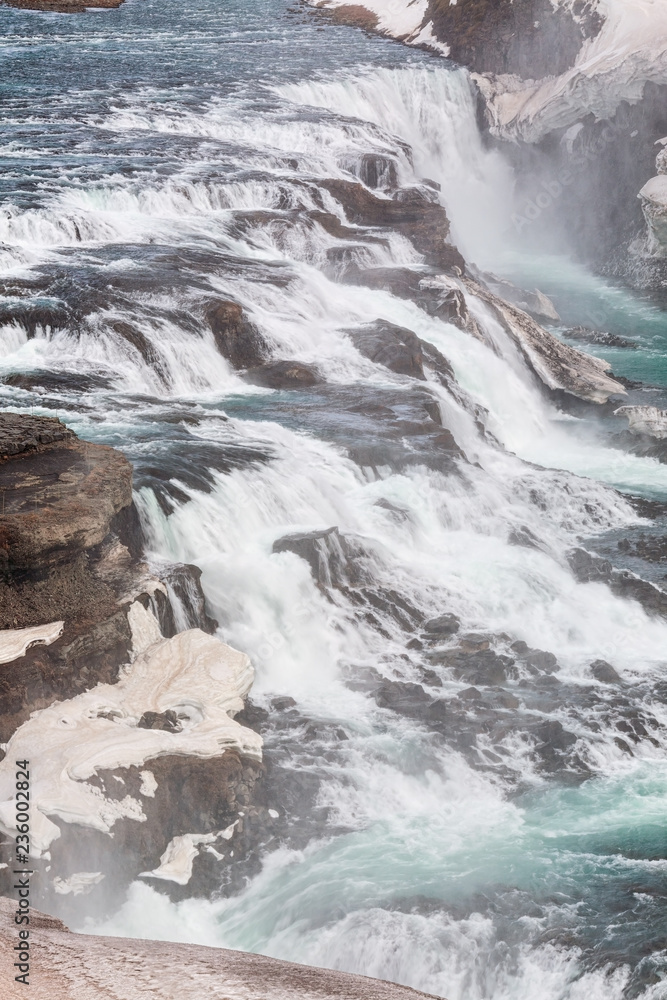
<point x="72" y="965"/>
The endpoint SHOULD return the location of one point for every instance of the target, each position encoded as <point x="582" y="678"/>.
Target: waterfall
<point x="449" y="859"/>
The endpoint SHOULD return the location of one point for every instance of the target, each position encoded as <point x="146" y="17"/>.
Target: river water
<point x="510" y="844"/>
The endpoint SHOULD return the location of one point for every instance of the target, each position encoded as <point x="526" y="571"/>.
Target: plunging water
<point x="157" y="158"/>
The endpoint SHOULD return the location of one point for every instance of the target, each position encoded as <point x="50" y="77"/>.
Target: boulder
<point x="604" y="672"/>
<point x="392" y="346"/>
<point x="601" y="337"/>
<point x="333" y="559"/>
<point x="237" y="339"/>
<point x="443" y="626"/>
<point x="284" y="375"/>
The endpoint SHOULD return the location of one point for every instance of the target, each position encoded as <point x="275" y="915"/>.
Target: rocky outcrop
<point x="284" y="375"/>
<point x="70" y="568"/>
<point x="236" y="337"/>
<point x="69" y="552"/>
<point x="109" y="685"/>
<point x="560" y="367"/>
<point x="653" y="197"/>
<point x="71" y="965"/>
<point x="120" y="770"/>
<point x="414" y="212"/>
<point x="530" y="38"/>
<point x="646" y="420"/>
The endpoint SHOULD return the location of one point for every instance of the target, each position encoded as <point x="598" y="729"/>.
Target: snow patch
<point x="14" y="642"/>
<point x="176" y="862"/>
<point x="77" y="884"/>
<point x="194" y="674"/>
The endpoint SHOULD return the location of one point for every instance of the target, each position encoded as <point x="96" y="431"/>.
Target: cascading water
<point x="510" y="843"/>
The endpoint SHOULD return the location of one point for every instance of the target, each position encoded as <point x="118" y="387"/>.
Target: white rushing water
<point x="421" y="821"/>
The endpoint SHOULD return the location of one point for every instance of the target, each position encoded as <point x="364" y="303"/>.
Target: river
<point x="158" y="156"/>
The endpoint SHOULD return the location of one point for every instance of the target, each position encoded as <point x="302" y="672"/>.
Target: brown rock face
<point x="531" y="38"/>
<point x="236" y="337"/>
<point x="69" y="544"/>
<point x="414" y="213"/>
<point x="285" y="375"/>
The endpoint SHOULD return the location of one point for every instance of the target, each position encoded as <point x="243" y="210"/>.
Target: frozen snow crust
<point x="195" y="675"/>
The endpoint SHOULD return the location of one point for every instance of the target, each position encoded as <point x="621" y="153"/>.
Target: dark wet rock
<point x="141" y="343"/>
<point x="474" y="642"/>
<point x="334" y="560"/>
<point x="400" y="513"/>
<point x="482" y="667"/>
<point x="505" y="699"/>
<point x="385" y="426"/>
<point x="392" y="346"/>
<point x="524" y="537"/>
<point x="652" y="549"/>
<point x="588" y="336"/>
<point x="443" y="625"/>
<point x="35" y="314"/>
<point x="604" y="672"/>
<point x="448" y="305"/>
<point x="553" y="743"/>
<point x="622" y="745"/>
<point x="353" y="235"/>
<point x="167" y="721"/>
<point x="51" y="382"/>
<point x="400" y="350"/>
<point x="399" y="281"/>
<point x="403" y="697"/>
<point x="186" y="603"/>
<point x="282" y="703"/>
<point x="186" y="462"/>
<point x="412" y="212"/>
<point x="375" y="170"/>
<point x="589" y="568"/>
<point x="430" y="677"/>
<point x="470" y="694"/>
<point x="538" y="661"/>
<point x="284" y="375"/>
<point x="236" y="337"/>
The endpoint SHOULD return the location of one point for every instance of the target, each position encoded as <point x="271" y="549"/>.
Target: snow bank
<point x="193" y="674"/>
<point x="14" y="642"/>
